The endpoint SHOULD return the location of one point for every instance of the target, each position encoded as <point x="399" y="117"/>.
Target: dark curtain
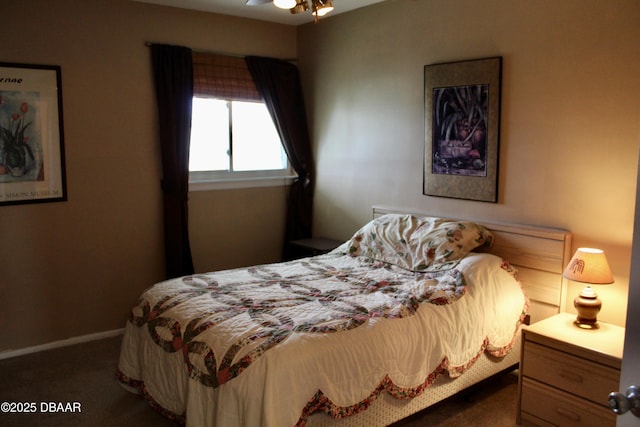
<point x="278" y="82"/>
<point x="173" y="77"/>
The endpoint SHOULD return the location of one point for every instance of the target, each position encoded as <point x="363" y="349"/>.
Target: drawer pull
<point x="571" y="376"/>
<point x="568" y="414"/>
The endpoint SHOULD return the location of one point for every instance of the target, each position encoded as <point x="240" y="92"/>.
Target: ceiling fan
<point x="318" y="7"/>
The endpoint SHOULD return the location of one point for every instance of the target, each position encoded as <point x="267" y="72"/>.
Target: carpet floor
<point x="75" y="386"/>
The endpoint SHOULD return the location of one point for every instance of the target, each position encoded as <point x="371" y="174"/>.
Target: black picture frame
<point x="32" y="160"/>
<point x="462" y="129"/>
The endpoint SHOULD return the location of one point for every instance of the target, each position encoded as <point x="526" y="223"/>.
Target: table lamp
<point x="588" y="266"/>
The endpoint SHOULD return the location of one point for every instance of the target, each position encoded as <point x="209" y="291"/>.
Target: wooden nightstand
<point x="303" y="248"/>
<point x="567" y="373"/>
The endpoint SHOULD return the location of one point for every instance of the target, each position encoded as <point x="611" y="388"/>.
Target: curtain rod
<point x="235" y="55"/>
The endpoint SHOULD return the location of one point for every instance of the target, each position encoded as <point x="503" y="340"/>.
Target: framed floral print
<point x="32" y="167"/>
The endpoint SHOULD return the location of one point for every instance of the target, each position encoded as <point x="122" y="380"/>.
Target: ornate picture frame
<point x="462" y="129"/>
<point x="32" y="162"/>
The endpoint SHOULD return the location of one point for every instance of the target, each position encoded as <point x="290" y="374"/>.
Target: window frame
<point x="226" y="179"/>
<point x="222" y="180"/>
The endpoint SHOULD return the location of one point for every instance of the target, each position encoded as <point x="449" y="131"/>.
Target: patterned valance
<point x="223" y="77"/>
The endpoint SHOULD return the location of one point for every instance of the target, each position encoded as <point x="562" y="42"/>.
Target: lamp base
<point x="586" y="325"/>
<point x="588" y="306"/>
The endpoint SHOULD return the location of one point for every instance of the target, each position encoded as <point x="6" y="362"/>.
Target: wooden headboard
<point x="539" y="254"/>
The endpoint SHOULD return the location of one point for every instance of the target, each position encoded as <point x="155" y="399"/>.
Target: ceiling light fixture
<point x="321" y="7"/>
<point x="318" y="7"/>
<point x="285" y="4"/>
<point x="301" y="6"/>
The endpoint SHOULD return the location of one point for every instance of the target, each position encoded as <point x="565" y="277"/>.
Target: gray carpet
<point x="489" y="404"/>
<point x="82" y="377"/>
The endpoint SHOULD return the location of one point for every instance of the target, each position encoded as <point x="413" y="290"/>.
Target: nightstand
<point x="567" y="373"/>
<point x="303" y="248"/>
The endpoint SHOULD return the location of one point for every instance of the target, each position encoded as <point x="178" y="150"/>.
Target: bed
<point x="410" y="310"/>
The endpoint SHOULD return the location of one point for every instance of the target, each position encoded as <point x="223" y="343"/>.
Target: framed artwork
<point x="32" y="167"/>
<point x="462" y="129"/>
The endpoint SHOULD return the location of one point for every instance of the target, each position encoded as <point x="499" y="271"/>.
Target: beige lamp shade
<point x="589" y="265"/>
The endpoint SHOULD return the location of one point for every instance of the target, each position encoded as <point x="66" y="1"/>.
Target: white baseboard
<point x="61" y="343"/>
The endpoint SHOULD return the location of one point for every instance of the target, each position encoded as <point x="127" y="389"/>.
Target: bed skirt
<point x="387" y="409"/>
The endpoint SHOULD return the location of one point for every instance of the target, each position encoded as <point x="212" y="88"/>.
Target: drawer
<point x="556" y="407"/>
<point x="575" y="375"/>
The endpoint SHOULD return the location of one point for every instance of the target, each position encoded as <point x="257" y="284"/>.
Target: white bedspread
<point x="327" y="333"/>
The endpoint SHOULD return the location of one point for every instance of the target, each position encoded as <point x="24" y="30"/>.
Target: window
<point x="234" y="142"/>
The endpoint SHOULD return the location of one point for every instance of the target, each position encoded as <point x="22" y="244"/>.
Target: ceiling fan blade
<point x="257" y="2"/>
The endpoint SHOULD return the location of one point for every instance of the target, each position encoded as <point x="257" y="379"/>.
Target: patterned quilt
<point x="269" y="345"/>
<point x="272" y="302"/>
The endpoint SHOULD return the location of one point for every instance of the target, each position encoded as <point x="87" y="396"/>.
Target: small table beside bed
<point x="411" y="310"/>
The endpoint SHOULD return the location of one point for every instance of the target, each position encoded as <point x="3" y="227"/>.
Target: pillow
<point x="448" y="240"/>
<point x="386" y="239"/>
<point x="418" y="243"/>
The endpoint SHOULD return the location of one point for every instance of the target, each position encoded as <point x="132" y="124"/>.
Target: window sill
<point x="227" y="184"/>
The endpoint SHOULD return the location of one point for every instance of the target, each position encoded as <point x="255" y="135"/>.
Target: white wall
<point x="570" y="123"/>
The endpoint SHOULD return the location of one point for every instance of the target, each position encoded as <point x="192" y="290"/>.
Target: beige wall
<point x="235" y="228"/>
<point x="74" y="268"/>
<point x="569" y="139"/>
<point x="570" y="115"/>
